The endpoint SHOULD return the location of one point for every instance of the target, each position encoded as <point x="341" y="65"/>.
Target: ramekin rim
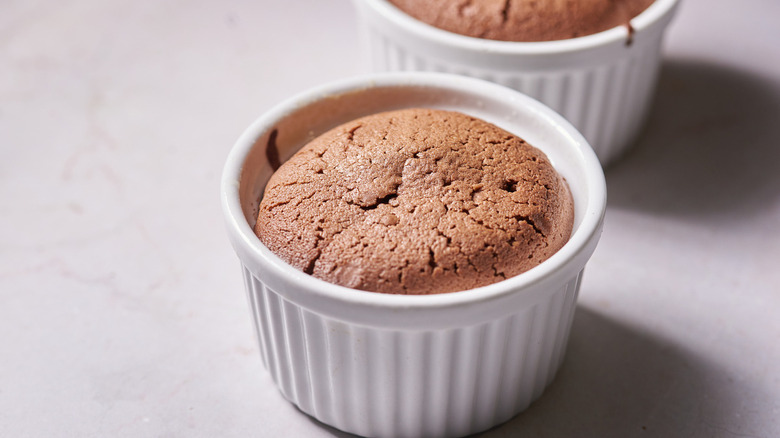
<point x="588" y="229"/>
<point x="654" y="13"/>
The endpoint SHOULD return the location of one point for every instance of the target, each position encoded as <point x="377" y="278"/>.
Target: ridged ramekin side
<point x="606" y="101"/>
<point x="411" y="383"/>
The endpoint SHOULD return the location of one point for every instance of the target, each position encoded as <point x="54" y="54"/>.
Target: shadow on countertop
<point x="619" y="382"/>
<point x="711" y="146"/>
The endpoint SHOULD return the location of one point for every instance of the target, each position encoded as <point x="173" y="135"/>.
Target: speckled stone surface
<point x="122" y="309"/>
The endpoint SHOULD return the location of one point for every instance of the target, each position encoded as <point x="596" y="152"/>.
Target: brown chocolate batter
<point x="524" y="20"/>
<point x="415" y="201"/>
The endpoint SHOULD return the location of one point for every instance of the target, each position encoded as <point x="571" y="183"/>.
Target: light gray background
<point x="121" y="304"/>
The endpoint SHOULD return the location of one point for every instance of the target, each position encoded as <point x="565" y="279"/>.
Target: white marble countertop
<point x="122" y="311"/>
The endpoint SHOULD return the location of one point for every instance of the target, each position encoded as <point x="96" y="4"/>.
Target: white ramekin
<point x="601" y="84"/>
<point x="393" y="365"/>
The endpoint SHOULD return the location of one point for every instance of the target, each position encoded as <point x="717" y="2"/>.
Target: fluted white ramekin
<point x="407" y="366"/>
<point x="601" y="84"/>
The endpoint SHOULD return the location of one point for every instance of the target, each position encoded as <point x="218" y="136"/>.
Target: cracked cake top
<point x="415" y="201"/>
<point x="524" y="20"/>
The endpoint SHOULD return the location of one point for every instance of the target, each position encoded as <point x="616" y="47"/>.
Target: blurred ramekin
<point x="601" y="84"/>
<point x="393" y="365"/>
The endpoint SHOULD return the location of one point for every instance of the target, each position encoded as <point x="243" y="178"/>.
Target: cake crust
<point x="415" y="201"/>
<point x="524" y="20"/>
